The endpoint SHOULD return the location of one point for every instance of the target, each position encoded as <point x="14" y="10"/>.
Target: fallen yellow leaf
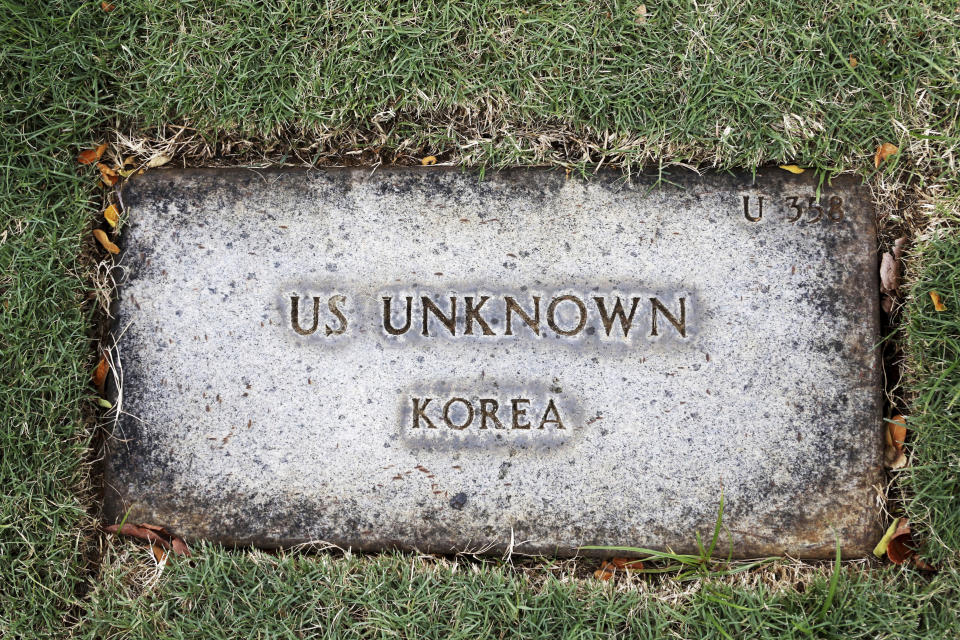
<point x="881" y="547"/>
<point x="884" y="151"/>
<point x="105" y="241"/>
<point x="111" y="215"/>
<point x="429" y="160"/>
<point x="937" y="302"/>
<point x="792" y="168"/>
<point x="853" y="62"/>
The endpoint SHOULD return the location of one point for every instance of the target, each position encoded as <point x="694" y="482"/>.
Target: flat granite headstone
<point x="421" y="358"/>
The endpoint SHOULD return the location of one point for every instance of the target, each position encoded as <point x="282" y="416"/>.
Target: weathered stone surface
<point x="761" y="382"/>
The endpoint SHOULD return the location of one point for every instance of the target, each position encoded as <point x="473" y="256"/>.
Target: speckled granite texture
<point x="275" y="390"/>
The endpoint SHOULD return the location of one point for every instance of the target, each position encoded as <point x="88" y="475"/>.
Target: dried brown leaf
<point x="89" y="156"/>
<point x="180" y="547"/>
<point x="605" y="572"/>
<point x="889" y="273"/>
<point x="897" y="431"/>
<point x="627" y="564"/>
<point x="887" y="304"/>
<point x="898" y="245"/>
<point x="138" y="532"/>
<point x="853" y="62"/>
<point x="100" y="373"/>
<point x="105" y="241"/>
<point x="108" y="175"/>
<point x="894" y="458"/>
<point x="158" y="553"/>
<point x="107" y="7"/>
<point x="884" y="151"/>
<point x="158" y="161"/>
<point x="901" y="546"/>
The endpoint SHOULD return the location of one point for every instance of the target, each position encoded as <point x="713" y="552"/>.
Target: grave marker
<point x="419" y="358"/>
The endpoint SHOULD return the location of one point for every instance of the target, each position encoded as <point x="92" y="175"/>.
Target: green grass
<point x="228" y="595"/>
<point x="483" y="83"/>
<point x="933" y="346"/>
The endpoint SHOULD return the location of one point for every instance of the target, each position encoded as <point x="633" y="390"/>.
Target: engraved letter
<point x="551" y="320"/>
<point x="388" y="323"/>
<point x="519" y="413"/>
<point x="626" y="321"/>
<point x="556" y="420"/>
<point x="418" y="413"/>
<point x="533" y="323"/>
<point x="295" y="315"/>
<point x="446" y="414"/>
<point x="450" y="323"/>
<point x="486" y="412"/>
<point x="332" y="303"/>
<point x="681" y="326"/>
<point x="473" y="313"/>
<point x="746" y="209"/>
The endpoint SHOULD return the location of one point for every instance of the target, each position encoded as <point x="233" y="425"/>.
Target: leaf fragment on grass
<point x="89" y="156"/>
<point x="104" y="241"/>
<point x="884" y="151"/>
<point x="428" y="160"/>
<point x="881" y="547"/>
<point x="107" y="7"/>
<point x="111" y="215"/>
<point x="641" y="13"/>
<point x="158" y="161"/>
<point x="792" y="168"/>
<point x="853" y="62"/>
<point x="101" y="402"/>
<point x="937" y="301"/>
